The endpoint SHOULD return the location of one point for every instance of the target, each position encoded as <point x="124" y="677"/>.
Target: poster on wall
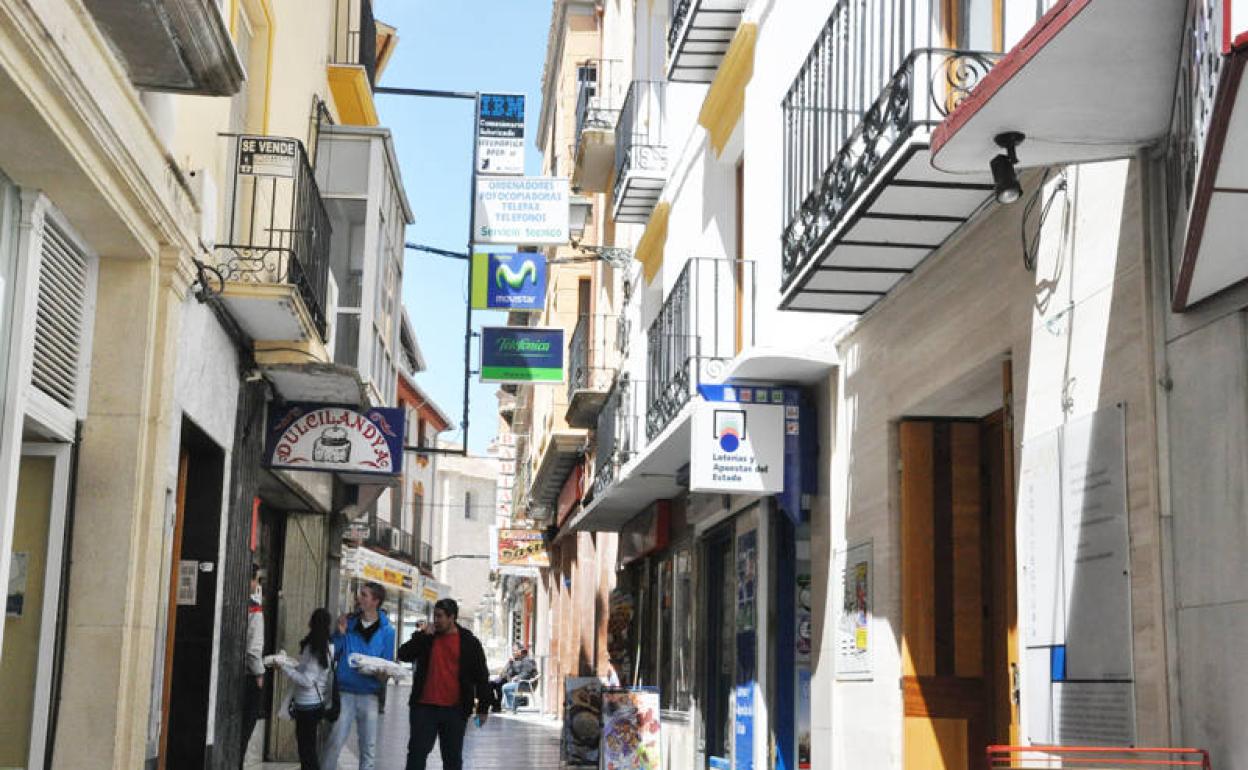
<point x="15" y="598"/>
<point x="630" y="729"/>
<point x="1076" y="583"/>
<point x="582" y="721"/>
<point x="853" y="631"/>
<point x="500" y="134"/>
<point x="738" y="440"/>
<point x="803" y="719"/>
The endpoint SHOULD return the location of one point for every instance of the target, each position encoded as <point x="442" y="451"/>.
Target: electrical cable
<point x="1031" y="250"/>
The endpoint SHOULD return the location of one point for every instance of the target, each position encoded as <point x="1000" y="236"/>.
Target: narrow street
<point x="525" y="740"/>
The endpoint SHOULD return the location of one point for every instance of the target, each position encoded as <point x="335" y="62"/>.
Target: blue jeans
<point x="444" y="724"/>
<point x="509" y="695"/>
<point x="361" y="710"/>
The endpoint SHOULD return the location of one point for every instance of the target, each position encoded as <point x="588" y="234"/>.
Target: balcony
<point x="379" y="535"/>
<point x="275" y="259"/>
<point x="619" y="434"/>
<point x="640" y="153"/>
<point x="591" y="369"/>
<point x="699" y="36"/>
<point x="352" y="69"/>
<point x="600" y="95"/>
<point x="862" y="204"/>
<point x="182" y="46"/>
<point x="706" y="320"/>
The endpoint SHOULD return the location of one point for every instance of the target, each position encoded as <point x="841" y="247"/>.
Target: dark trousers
<point x="496" y="686"/>
<point x="444" y="724"/>
<point x="306" y="723"/>
<point x="251" y="712"/>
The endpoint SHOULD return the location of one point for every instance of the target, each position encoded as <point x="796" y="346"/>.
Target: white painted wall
<point x="458" y="535"/>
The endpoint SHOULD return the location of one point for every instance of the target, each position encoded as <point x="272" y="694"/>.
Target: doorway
<point x="959" y="617"/>
<point x="191" y="627"/>
<point x="719" y="595"/>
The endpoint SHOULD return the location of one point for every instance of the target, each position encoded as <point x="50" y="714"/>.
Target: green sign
<point x="521" y="354"/>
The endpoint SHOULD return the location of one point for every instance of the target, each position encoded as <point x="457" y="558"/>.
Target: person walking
<point x="310" y="697"/>
<point x="367" y="632"/>
<point x="451" y="682"/>
<point x="253" y="682"/>
<point x="520" y="668"/>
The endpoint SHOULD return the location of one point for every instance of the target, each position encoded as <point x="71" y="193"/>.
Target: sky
<point x="454" y="45"/>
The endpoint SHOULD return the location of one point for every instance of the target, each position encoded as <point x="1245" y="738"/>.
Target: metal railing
<point x="640" y="143"/>
<point x="378" y="533"/>
<point x="279" y="230"/>
<point x="707" y="318"/>
<point x="404" y="544"/>
<point x="355" y="36"/>
<point x="589" y="364"/>
<point x="599" y="97"/>
<point x="619" y="434"/>
<point x="878" y="70"/>
<point x="1200" y="69"/>
<point x="679" y="15"/>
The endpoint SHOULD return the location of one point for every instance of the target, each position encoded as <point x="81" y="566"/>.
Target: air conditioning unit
<point x="396" y="539"/>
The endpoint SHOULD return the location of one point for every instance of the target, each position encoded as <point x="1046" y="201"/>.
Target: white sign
<point x="267" y="156"/>
<point x="188" y="583"/>
<point x="853" y="645"/>
<point x="521" y="211"/>
<point x="500" y="134"/>
<point x="334" y="438"/>
<point x="737" y="447"/>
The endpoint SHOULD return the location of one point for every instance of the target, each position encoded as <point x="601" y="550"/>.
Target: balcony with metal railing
<point x="353" y="64"/>
<point x="599" y="98"/>
<point x="698" y="36"/>
<point x="591" y="367"/>
<point x="619" y="433"/>
<point x="274" y="260"/>
<point x="863" y="205"/>
<point x="640" y="152"/>
<point x="706" y="320"/>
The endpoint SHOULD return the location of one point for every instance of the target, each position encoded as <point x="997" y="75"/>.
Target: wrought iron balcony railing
<point x="1201" y="62"/>
<point x="698" y="36"/>
<point x="403" y="544"/>
<point x="355" y="36"/>
<point x="279" y="230"/>
<point x="619" y="431"/>
<point x="707" y="318"/>
<point x="857" y="98"/>
<point x="640" y="151"/>
<point x="589" y="364"/>
<point x="599" y="97"/>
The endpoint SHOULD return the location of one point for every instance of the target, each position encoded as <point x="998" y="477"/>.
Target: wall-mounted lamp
<point x="1004" y="176"/>
<point x="579" y="208"/>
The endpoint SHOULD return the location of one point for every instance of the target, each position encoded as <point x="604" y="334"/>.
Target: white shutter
<point x="60" y="315"/>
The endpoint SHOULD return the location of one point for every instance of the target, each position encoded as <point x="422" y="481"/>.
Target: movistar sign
<point x="509" y="281"/>
<point x="521" y="354"/>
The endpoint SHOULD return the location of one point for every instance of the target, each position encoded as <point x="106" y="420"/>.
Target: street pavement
<point x="526" y="740"/>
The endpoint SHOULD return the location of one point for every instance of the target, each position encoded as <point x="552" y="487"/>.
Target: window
<point x="467" y="505"/>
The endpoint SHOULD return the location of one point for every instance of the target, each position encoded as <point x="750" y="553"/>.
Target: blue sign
<point x="509" y="281"/>
<point x="521" y="354"/>
<point x="325" y="437"/>
<point x="743" y="738"/>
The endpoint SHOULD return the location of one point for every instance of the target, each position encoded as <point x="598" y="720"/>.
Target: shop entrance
<point x="721" y="626"/>
<point x="959" y="624"/>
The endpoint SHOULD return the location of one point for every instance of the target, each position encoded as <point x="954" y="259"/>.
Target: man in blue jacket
<point x="368" y="632"/>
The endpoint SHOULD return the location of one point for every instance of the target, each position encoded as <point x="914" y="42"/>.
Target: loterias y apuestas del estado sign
<point x="322" y="437"/>
<point x="521" y="354"/>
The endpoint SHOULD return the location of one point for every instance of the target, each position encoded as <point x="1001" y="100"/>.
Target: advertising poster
<point x="514" y="281"/>
<point x="521" y="211"/>
<point x="743" y="727"/>
<point x="622" y="609"/>
<point x="854" y="625"/>
<point x="317" y="437"/>
<point x="500" y="134"/>
<point x="519" y="354"/>
<point x="523" y="549"/>
<point x="803" y="719"/>
<point x="630" y="729"/>
<point x="738" y="440"/>
<point x="582" y="721"/>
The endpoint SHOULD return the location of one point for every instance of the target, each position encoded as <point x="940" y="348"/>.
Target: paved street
<point x="525" y="740"/>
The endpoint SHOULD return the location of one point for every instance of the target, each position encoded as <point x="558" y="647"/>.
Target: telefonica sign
<point x="319" y="437"/>
<point x="509" y="281"/>
<point x="522" y="211"/>
<point x="521" y="354"/>
<point x="739" y="439"/>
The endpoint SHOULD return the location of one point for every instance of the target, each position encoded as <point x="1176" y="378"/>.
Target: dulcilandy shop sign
<point x="521" y="354"/>
<point x="321" y="437"/>
<point x="509" y="281"/>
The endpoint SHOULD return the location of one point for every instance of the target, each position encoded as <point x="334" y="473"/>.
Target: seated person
<point x="520" y="667"/>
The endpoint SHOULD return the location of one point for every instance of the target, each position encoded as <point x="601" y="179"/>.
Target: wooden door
<point x="945" y="691"/>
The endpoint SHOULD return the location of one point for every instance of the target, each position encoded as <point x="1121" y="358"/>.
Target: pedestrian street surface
<point x="524" y="741"/>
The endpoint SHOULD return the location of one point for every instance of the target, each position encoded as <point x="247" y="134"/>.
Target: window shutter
<point x="60" y="315"/>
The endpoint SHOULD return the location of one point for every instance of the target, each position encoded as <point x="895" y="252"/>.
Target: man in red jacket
<point x="451" y="682"/>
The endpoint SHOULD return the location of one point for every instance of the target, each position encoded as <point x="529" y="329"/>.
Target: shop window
<point x="678" y="610"/>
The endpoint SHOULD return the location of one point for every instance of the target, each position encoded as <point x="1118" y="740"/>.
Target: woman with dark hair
<point x="311" y="695"/>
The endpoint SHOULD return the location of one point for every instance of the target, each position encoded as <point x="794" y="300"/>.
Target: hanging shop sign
<point x="365" y="564"/>
<point x="631" y="729"/>
<point x="523" y="549"/>
<point x="521" y="354"/>
<point x="509" y="281"/>
<point x="267" y="156"/>
<point x="316" y="437"/>
<point x="738" y="440"/>
<point x="522" y="211"/>
<point x="500" y="134"/>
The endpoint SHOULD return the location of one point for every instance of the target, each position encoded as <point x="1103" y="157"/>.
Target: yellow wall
<point x="21" y="634"/>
